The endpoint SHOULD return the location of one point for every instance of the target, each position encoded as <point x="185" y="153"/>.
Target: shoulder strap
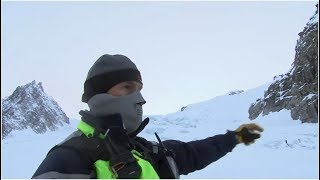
<point x="89" y="149"/>
<point x="161" y="160"/>
<point x="145" y="148"/>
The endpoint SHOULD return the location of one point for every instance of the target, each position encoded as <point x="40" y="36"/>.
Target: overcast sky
<point x="187" y="52"/>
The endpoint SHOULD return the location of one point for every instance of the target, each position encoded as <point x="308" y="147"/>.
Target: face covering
<point x="129" y="106"/>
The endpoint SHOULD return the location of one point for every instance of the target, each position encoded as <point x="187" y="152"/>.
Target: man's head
<point x="108" y="71"/>
<point x="113" y="86"/>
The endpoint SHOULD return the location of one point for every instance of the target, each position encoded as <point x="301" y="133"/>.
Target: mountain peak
<point x="30" y="107"/>
<point x="33" y="86"/>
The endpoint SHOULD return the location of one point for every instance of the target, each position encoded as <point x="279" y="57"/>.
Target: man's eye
<point x="127" y="87"/>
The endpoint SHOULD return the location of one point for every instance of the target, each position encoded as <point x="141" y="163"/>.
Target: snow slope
<point x="287" y="148"/>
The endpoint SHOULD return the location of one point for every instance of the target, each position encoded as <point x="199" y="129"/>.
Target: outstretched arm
<point x="195" y="155"/>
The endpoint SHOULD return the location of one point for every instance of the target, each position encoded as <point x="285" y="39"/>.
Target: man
<point x="106" y="144"/>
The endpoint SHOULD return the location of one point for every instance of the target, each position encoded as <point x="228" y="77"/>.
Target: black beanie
<point x="108" y="71"/>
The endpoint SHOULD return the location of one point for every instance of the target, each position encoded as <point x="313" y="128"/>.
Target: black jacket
<point x="189" y="156"/>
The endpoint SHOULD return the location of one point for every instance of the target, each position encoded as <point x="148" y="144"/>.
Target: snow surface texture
<point x="287" y="148"/>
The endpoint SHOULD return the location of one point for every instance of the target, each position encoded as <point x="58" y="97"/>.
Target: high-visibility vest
<point x="103" y="169"/>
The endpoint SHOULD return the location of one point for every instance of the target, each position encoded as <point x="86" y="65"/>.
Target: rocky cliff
<point x="296" y="90"/>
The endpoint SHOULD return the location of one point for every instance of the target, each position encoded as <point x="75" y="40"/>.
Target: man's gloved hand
<point x="247" y="133"/>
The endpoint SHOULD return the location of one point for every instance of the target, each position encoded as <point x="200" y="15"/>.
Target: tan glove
<point x="247" y="133"/>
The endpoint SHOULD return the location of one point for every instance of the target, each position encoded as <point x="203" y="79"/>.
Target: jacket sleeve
<point x="63" y="163"/>
<point x="196" y="155"/>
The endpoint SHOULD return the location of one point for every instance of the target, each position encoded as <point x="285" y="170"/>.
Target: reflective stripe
<point x="173" y="166"/>
<point x="57" y="175"/>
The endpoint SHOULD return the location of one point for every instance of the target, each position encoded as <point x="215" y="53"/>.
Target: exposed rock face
<point x="235" y="92"/>
<point x="30" y="107"/>
<point x="183" y="108"/>
<point x="296" y="90"/>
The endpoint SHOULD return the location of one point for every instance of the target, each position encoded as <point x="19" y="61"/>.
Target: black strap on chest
<point x="161" y="158"/>
<point x="89" y="149"/>
<point x="116" y="148"/>
<point x="92" y="149"/>
<point x="117" y="144"/>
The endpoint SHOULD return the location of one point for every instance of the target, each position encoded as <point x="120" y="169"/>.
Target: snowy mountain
<point x="287" y="148"/>
<point x="296" y="90"/>
<point x="30" y="107"/>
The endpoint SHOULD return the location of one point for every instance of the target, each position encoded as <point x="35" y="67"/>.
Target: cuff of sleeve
<point x="231" y="136"/>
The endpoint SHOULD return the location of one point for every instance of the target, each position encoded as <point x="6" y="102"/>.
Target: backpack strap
<point x="89" y="149"/>
<point x="145" y="148"/>
<point x="161" y="159"/>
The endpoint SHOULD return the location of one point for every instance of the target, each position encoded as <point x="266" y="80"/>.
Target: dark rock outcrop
<point x="296" y="90"/>
<point x="235" y="92"/>
<point x="30" y="107"/>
